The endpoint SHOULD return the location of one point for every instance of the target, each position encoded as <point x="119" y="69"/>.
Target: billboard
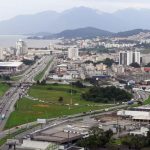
<point x="41" y="121"/>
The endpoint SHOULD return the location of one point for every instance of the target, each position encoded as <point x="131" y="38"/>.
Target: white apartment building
<point x="129" y="57"/>
<point x="73" y="53"/>
<point x="21" y="48"/>
<point x="2" y="57"/>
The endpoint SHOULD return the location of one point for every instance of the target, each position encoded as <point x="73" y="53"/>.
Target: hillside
<point x="87" y="32"/>
<point x="131" y="32"/>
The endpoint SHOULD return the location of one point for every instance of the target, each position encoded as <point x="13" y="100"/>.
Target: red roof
<point x="147" y="69"/>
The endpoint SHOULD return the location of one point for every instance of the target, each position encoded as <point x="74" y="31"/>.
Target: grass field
<point x="29" y="110"/>
<point x="3" y="88"/>
<point x="15" y="78"/>
<point x="147" y="101"/>
<point x="51" y="93"/>
<point x="41" y="74"/>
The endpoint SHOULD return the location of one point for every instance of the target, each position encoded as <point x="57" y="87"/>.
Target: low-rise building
<point x="141" y="113"/>
<point x="10" y="66"/>
<point x="37" y="145"/>
<point x="143" y="131"/>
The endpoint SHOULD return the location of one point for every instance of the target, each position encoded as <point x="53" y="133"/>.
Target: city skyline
<point x="16" y="7"/>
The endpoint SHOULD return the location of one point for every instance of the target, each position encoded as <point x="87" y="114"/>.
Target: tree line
<point x="106" y="94"/>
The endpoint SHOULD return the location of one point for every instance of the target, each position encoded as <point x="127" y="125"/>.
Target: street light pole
<point x="70" y="98"/>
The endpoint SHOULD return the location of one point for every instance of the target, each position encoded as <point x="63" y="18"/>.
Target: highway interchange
<point x="12" y="96"/>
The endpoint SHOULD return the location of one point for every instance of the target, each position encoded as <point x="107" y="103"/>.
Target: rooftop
<point x="146" y="107"/>
<point x="28" y="144"/>
<point x="62" y="65"/>
<point x="10" y="64"/>
<point x="59" y="137"/>
<point x="75" y="148"/>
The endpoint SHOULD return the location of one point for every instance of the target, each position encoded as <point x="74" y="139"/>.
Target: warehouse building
<point x="140" y="114"/>
<point x="11" y="66"/>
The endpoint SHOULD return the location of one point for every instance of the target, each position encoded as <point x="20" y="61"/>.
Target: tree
<point x="28" y="62"/>
<point x="135" y="141"/>
<point x="43" y="82"/>
<point x="108" y="62"/>
<point x="148" y="65"/>
<point x="97" y="138"/>
<point x="38" y="82"/>
<point x="135" y="65"/>
<point x="78" y="84"/>
<point x="36" y="57"/>
<point x="148" y="138"/>
<point x="60" y="99"/>
<point x="107" y="94"/>
<point x="6" y="77"/>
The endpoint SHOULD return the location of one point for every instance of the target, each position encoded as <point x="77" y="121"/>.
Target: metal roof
<point x="10" y="64"/>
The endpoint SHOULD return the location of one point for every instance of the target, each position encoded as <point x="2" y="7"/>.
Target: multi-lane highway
<point x="10" y="98"/>
<point x="141" y="95"/>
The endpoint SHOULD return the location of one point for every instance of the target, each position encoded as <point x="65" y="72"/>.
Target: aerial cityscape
<point x="75" y="75"/>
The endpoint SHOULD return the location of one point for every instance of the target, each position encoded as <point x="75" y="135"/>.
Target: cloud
<point x="10" y="8"/>
<point x="113" y="5"/>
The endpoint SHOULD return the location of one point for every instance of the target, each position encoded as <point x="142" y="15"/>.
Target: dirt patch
<point x="31" y="112"/>
<point x="107" y="117"/>
<point x="42" y="106"/>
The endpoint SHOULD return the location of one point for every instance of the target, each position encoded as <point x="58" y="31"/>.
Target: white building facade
<point x="21" y="48"/>
<point x="2" y="57"/>
<point x="129" y="57"/>
<point x="73" y="53"/>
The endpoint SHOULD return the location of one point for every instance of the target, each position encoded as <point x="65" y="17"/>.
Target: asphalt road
<point x="9" y="100"/>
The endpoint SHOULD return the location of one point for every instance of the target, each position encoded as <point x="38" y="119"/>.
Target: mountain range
<point x="88" y="32"/>
<point x="80" y="17"/>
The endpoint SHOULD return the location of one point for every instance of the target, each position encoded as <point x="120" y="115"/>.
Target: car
<point x="3" y="116"/>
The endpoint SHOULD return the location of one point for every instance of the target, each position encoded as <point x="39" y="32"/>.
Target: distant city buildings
<point x="146" y="59"/>
<point x="73" y="53"/>
<point x="129" y="57"/>
<point x="2" y="57"/>
<point x="21" y="48"/>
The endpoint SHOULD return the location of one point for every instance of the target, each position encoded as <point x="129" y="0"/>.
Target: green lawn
<point x="52" y="92"/>
<point x="3" y="88"/>
<point x="147" y="101"/>
<point x="29" y="110"/>
<point x="15" y="78"/>
<point x="41" y="74"/>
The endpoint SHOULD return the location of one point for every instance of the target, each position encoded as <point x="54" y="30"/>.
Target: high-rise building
<point x="2" y="54"/>
<point x="73" y="53"/>
<point x="137" y="57"/>
<point x="21" y="48"/>
<point x="129" y="57"/>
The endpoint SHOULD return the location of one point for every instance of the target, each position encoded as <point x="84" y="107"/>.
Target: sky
<point x="11" y="8"/>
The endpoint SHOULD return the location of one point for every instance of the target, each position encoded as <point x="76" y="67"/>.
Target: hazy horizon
<point x="10" y="9"/>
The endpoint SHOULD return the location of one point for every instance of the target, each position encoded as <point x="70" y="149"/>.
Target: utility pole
<point x="118" y="128"/>
<point x="70" y="98"/>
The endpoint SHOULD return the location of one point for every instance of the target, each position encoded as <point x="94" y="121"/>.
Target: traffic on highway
<point x="15" y="93"/>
